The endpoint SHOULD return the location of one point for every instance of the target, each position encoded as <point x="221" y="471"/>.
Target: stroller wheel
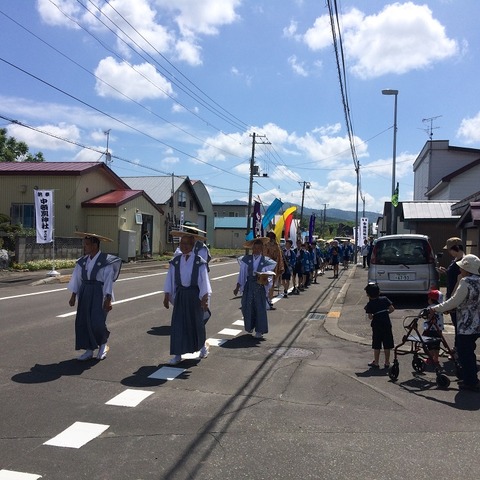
<point x="393" y="372"/>
<point x="443" y="381"/>
<point x="418" y="365"/>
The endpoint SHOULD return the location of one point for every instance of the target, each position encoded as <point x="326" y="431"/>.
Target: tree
<point x="12" y="150"/>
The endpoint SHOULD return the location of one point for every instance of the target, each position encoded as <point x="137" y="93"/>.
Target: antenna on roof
<point x="431" y="128"/>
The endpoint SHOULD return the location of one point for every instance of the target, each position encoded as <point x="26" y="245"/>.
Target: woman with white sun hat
<point x="466" y="300"/>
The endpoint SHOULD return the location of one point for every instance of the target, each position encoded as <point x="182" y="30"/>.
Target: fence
<point x="27" y="249"/>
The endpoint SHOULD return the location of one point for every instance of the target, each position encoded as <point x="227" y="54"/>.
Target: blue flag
<point x="272" y="210"/>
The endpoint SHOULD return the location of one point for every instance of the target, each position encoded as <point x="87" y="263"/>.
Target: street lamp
<point x="395" y="93"/>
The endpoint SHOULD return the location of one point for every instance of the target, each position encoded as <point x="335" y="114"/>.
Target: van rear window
<point x="402" y="251"/>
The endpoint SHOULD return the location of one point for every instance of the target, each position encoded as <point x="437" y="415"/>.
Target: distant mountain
<point x="333" y="214"/>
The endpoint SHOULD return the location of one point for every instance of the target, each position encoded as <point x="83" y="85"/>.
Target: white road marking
<point x="11" y="475"/>
<point x="216" y="342"/>
<point x="229" y="331"/>
<point x="77" y="435"/>
<point x="131" y="299"/>
<point x="224" y="276"/>
<point x="167" y="373"/>
<point x="240" y="323"/>
<point x="129" y="398"/>
<point x="31" y="295"/>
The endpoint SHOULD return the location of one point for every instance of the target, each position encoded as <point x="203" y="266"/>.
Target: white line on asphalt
<point x="11" y="475"/>
<point x="167" y="373"/>
<point x="77" y="435"/>
<point x="31" y="294"/>
<point x="69" y="314"/>
<point x="129" y="398"/>
<point x="229" y="331"/>
<point x="225" y="276"/>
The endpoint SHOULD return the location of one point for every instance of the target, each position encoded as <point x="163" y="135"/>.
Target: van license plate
<point x="402" y="276"/>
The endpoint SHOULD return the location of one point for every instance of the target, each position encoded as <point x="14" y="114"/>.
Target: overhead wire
<point x="138" y="52"/>
<point x="148" y="110"/>
<point x="101" y="152"/>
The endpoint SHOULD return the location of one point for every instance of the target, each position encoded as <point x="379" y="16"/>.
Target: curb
<point x="335" y="312"/>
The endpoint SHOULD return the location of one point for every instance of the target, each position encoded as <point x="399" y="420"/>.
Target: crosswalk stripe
<point x="230" y="331"/>
<point x="77" y="435"/>
<point x="167" y="373"/>
<point x="12" y="475"/>
<point x="129" y="398"/>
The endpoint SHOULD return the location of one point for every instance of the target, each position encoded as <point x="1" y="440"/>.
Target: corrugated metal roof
<point x="159" y="189"/>
<point x="113" y="198"/>
<point x="427" y="210"/>
<point x="230" y="222"/>
<point x="35" y="168"/>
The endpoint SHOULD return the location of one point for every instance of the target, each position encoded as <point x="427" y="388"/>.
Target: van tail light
<point x="373" y="259"/>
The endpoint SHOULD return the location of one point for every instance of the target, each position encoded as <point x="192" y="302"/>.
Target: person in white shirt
<point x="92" y="281"/>
<point x="253" y="287"/>
<point x="187" y="288"/>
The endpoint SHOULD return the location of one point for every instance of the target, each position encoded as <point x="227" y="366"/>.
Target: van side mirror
<point x="439" y="255"/>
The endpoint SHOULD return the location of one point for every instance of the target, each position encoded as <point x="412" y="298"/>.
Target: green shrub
<point x="36" y="265"/>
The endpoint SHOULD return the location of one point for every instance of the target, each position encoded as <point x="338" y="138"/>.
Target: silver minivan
<point x="403" y="264"/>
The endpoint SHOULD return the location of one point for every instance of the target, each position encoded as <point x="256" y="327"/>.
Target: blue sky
<point x="182" y="85"/>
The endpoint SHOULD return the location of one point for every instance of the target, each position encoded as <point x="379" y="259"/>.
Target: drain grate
<point x="290" y="352"/>
<point x="316" y="316"/>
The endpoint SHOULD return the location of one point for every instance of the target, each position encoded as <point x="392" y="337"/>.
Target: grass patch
<point x="36" y="265"/>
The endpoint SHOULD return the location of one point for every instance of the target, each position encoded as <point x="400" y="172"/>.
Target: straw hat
<point x="183" y="233"/>
<point x="451" y="242"/>
<point x="470" y="263"/>
<point x="93" y="235"/>
<point x="249" y="243"/>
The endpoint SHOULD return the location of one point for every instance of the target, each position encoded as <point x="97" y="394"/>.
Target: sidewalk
<point x="347" y="319"/>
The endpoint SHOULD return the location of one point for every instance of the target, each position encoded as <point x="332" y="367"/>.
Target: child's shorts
<point x="382" y="335"/>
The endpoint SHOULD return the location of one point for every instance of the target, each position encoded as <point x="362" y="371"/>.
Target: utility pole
<point x="324" y="223"/>
<point x="253" y="172"/>
<point x="306" y="185"/>
<point x="108" y="156"/>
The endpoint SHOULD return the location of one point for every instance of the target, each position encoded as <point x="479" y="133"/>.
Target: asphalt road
<point x="300" y="404"/>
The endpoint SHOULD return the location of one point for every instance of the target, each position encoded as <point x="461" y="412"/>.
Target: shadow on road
<point x="48" y="373"/>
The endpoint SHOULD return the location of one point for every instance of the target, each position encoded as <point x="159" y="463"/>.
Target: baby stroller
<point x="421" y="346"/>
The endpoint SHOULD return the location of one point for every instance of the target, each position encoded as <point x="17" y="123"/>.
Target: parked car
<point x="403" y="264"/>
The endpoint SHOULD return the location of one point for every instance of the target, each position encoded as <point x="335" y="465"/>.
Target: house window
<point x="23" y="214"/>
<point x="191" y="205"/>
<point x="182" y="199"/>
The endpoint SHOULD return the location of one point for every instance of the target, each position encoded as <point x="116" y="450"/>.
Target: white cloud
<point x="282" y="172"/>
<point x="137" y="23"/>
<point x="202" y="16"/>
<point x="166" y="161"/>
<point x="469" y="130"/>
<point x="86" y="155"/>
<point x="402" y="37"/>
<point x="40" y="141"/>
<point x="138" y="83"/>
<point x="141" y="29"/>
<point x="237" y="73"/>
<point x="53" y="16"/>
<point x="189" y="52"/>
<point x="291" y="31"/>
<point x="297" y="67"/>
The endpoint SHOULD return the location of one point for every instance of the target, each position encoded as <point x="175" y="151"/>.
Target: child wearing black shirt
<point x="378" y="309"/>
